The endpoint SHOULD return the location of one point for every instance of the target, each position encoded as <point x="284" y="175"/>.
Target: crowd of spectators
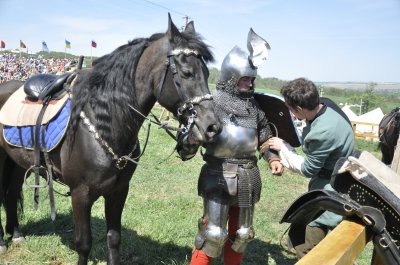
<point x="16" y="67"/>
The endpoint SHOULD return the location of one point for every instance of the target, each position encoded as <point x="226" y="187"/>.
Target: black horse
<point x="109" y="103"/>
<point x="389" y="128"/>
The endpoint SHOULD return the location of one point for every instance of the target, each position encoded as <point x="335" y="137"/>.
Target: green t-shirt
<point x="326" y="139"/>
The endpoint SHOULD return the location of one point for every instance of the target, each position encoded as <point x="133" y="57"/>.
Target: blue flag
<point x="44" y="47"/>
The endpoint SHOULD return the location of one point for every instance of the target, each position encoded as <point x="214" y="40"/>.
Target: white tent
<point x="372" y="118"/>
<point x="349" y="113"/>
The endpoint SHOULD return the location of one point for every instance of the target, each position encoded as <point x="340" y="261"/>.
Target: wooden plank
<point x="363" y="135"/>
<point x="342" y="246"/>
<point x="396" y="158"/>
<point x="365" y="123"/>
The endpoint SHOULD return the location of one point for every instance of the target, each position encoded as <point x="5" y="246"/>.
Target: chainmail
<point x="249" y="186"/>
<point x="241" y="111"/>
<point x="237" y="110"/>
<point x="248" y="177"/>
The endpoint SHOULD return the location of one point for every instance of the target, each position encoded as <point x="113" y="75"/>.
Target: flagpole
<point x="91" y="58"/>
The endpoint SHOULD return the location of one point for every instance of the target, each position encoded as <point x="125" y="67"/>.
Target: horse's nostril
<point x="213" y="130"/>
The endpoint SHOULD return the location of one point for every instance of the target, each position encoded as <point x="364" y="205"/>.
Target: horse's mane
<point x="108" y="88"/>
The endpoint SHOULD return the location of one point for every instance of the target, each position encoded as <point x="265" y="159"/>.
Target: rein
<point x="187" y="106"/>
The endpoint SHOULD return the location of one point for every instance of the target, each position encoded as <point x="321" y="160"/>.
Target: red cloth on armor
<point x="231" y="257"/>
<point x="200" y="258"/>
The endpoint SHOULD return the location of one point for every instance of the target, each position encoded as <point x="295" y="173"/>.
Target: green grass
<point x="160" y="216"/>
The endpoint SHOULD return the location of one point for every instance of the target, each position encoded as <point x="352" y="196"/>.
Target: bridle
<point x="187" y="107"/>
<point x="188" y="103"/>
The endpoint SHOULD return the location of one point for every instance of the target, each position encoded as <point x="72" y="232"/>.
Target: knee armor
<point x="246" y="232"/>
<point x="212" y="227"/>
<point x="243" y="236"/>
<point x="211" y="239"/>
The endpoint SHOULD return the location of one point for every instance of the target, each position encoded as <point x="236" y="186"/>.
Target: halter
<point x="121" y="161"/>
<point x="188" y="104"/>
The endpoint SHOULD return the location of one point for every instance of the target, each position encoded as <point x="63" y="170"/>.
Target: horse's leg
<point x="387" y="154"/>
<point x="12" y="199"/>
<point x="81" y="208"/>
<point x="3" y="246"/>
<point x="114" y="204"/>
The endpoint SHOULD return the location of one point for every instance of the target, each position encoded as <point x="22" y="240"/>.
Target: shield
<point x="279" y="115"/>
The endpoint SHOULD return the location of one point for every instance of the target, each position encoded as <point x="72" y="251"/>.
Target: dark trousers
<point x="305" y="238"/>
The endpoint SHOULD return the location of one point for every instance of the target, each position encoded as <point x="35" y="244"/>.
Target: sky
<point x="324" y="41"/>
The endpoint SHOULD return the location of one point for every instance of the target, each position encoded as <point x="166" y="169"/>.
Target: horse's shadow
<point x="142" y="250"/>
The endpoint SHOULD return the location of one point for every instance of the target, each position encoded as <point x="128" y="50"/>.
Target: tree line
<point x="368" y="98"/>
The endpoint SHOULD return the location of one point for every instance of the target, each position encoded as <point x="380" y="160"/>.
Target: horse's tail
<point x="10" y="183"/>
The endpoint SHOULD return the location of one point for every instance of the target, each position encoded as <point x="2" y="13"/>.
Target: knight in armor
<point x="328" y="136"/>
<point x="229" y="181"/>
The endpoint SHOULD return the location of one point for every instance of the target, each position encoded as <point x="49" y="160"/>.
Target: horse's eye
<point x="187" y="74"/>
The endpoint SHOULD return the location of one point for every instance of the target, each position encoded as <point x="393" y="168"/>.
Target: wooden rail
<point x="342" y="246"/>
<point x="368" y="135"/>
<point x="346" y="242"/>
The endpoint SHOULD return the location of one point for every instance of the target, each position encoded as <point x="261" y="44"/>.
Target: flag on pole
<point x="22" y="44"/>
<point x="94" y="44"/>
<point x="44" y="47"/>
<point x="67" y="44"/>
<point x="3" y="44"/>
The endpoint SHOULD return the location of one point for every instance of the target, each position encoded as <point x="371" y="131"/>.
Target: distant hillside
<point x="359" y="86"/>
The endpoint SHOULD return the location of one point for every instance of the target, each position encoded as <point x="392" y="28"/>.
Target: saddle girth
<point x="43" y="89"/>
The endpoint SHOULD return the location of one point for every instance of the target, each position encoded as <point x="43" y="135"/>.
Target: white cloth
<point x="290" y="158"/>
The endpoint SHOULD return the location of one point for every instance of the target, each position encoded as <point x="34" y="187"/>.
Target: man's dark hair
<point x="301" y="92"/>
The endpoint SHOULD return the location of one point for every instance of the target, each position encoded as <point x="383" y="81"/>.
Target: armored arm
<point x="265" y="133"/>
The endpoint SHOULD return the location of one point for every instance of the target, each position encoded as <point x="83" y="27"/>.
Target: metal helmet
<point x="238" y="63"/>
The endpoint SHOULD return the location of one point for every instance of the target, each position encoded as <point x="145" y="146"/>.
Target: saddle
<point x="40" y="87"/>
<point x="40" y="93"/>
<point x="366" y="190"/>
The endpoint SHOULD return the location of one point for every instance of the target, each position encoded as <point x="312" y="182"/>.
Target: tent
<point x="349" y="113"/>
<point x="373" y="119"/>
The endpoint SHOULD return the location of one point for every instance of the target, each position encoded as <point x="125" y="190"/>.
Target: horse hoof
<point x="3" y="249"/>
<point x="18" y="240"/>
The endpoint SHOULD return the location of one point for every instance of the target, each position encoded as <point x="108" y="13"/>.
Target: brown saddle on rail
<point x="366" y="189"/>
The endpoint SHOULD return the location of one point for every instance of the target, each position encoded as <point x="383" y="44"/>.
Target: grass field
<point x="160" y="216"/>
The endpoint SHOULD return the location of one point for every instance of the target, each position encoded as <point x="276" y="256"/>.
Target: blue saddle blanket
<point x="54" y="131"/>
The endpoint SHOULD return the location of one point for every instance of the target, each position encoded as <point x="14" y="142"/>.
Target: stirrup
<point x="32" y="169"/>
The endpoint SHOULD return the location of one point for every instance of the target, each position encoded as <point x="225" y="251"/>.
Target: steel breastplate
<point x="234" y="141"/>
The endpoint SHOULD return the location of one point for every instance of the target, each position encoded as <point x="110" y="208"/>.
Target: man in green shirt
<point x="327" y="137"/>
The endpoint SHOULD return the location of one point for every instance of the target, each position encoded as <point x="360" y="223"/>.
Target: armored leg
<point x="245" y="232"/>
<point x="212" y="227"/>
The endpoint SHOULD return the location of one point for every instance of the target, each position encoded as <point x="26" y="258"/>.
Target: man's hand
<point x="275" y="143"/>
<point x="276" y="168"/>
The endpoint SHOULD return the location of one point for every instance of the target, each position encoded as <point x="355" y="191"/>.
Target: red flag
<point x="22" y="44"/>
<point x="94" y="44"/>
<point x="3" y="44"/>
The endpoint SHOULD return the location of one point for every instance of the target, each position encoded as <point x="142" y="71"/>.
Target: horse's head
<point x="183" y="88"/>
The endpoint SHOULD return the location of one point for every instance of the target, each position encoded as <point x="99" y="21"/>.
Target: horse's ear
<point x="172" y="31"/>
<point x="190" y="28"/>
